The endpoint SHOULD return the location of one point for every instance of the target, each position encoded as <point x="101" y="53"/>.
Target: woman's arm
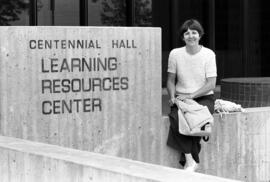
<point x="171" y="87"/>
<point x="208" y="86"/>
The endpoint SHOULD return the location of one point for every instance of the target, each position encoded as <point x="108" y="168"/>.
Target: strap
<point x="206" y="138"/>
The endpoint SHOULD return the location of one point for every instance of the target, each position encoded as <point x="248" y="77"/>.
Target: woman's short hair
<point x="191" y="24"/>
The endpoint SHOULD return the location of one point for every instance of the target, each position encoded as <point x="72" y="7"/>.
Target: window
<point x="143" y="13"/>
<point x="14" y="12"/>
<point x="118" y="12"/>
<point x="69" y="12"/>
<point x="58" y="12"/>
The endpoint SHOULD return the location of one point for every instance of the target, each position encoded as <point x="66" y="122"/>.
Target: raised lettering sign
<point x="79" y="86"/>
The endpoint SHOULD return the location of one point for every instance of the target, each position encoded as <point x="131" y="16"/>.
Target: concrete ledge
<point x="239" y="147"/>
<point x="22" y="160"/>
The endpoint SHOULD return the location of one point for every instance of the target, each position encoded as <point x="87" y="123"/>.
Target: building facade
<point x="237" y="30"/>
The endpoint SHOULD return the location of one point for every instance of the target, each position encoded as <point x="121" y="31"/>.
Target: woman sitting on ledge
<point x="194" y="68"/>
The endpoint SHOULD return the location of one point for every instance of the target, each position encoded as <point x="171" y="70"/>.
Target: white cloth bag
<point x="192" y="117"/>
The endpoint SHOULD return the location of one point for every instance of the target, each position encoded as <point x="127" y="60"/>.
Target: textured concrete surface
<point x="130" y="124"/>
<point x="25" y="161"/>
<point x="239" y="147"/>
<point x="104" y="104"/>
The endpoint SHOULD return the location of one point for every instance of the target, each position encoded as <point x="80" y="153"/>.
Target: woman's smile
<point x="191" y="37"/>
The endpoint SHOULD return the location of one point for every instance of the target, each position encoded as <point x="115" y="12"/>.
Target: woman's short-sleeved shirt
<point x="192" y="70"/>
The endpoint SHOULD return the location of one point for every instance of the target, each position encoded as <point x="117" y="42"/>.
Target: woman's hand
<point x="172" y="102"/>
<point x="185" y="96"/>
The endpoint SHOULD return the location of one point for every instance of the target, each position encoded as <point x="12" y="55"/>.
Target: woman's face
<point x="191" y="37"/>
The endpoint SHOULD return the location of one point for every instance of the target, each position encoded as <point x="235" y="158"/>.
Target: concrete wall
<point x="130" y="123"/>
<point x="45" y="94"/>
<point x="25" y="161"/>
<point x="240" y="146"/>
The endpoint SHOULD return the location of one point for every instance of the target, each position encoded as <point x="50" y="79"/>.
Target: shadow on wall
<point x="165" y="56"/>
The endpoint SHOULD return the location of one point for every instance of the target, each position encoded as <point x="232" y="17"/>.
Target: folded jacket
<point x="192" y="116"/>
